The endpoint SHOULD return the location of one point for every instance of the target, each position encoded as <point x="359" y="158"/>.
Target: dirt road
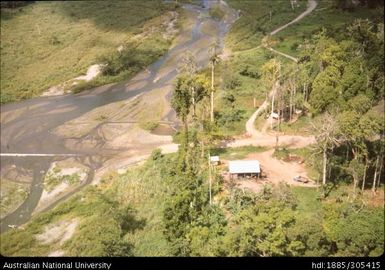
<point x="312" y="4"/>
<point x="263" y="138"/>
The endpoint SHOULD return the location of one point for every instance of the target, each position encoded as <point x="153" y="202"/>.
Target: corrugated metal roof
<point x="244" y="166"/>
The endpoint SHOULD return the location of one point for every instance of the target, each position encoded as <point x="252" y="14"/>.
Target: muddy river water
<point x="26" y="126"/>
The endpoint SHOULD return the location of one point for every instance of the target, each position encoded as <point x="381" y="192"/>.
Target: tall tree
<point x="188" y="68"/>
<point x="271" y="72"/>
<point x="214" y="59"/>
<point x="181" y="101"/>
<point x="327" y="138"/>
<point x="357" y="129"/>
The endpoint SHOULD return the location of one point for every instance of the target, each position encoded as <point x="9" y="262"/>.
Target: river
<point x="29" y="130"/>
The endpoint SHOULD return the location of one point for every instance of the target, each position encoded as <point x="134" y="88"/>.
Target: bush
<point x="149" y="125"/>
<point x="216" y="12"/>
<point x="281" y="153"/>
<point x="156" y="154"/>
<point x="294" y="46"/>
<point x="83" y="85"/>
<point x="250" y="71"/>
<point x="232" y="82"/>
<point x="228" y="117"/>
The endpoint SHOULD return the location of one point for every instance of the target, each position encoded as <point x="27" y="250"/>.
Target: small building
<point x="274" y="115"/>
<point x="214" y="160"/>
<point x="244" y="169"/>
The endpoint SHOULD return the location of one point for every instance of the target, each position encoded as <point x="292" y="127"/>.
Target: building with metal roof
<point x="244" y="168"/>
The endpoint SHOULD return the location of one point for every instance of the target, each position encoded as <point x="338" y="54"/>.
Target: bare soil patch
<point x="274" y="171"/>
<point x="58" y="232"/>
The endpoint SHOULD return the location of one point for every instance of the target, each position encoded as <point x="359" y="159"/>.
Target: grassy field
<point x="301" y="126"/>
<point x="47" y="43"/>
<point x="255" y="23"/>
<point x="238" y="152"/>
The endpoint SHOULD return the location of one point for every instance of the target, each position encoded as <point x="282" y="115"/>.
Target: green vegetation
<point x="255" y="23"/>
<point x="345" y="77"/>
<point x="241" y="82"/>
<point x="241" y="76"/>
<point x="337" y="81"/>
<point x="54" y="178"/>
<point x="149" y="125"/>
<point x="47" y="43"/>
<point x="216" y="12"/>
<point x="237" y="152"/>
<point x="12" y="195"/>
<point x="292" y="39"/>
<point x="188" y="209"/>
<point x="301" y="126"/>
<point x="93" y="208"/>
<point x="154" y="198"/>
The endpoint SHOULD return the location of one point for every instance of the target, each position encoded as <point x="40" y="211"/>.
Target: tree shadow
<point x="218" y="151"/>
<point x="130" y="223"/>
<point x="126" y="216"/>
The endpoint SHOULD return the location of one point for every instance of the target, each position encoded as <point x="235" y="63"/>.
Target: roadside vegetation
<point x="237" y="152"/>
<point x="149" y="125"/>
<point x="44" y="44"/>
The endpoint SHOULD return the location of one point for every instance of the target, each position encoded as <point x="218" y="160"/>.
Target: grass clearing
<point x="47" y="43"/>
<point x="307" y="200"/>
<point x="300" y="126"/>
<point x="241" y="74"/>
<point x="237" y="152"/>
<point x="254" y="22"/>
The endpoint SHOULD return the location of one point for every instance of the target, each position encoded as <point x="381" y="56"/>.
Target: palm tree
<point x="214" y="59"/>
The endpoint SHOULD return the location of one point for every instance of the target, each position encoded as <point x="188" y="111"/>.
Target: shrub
<point x="216" y="12"/>
<point x="149" y="125"/>
<point x="281" y="153"/>
<point x="227" y="117"/>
